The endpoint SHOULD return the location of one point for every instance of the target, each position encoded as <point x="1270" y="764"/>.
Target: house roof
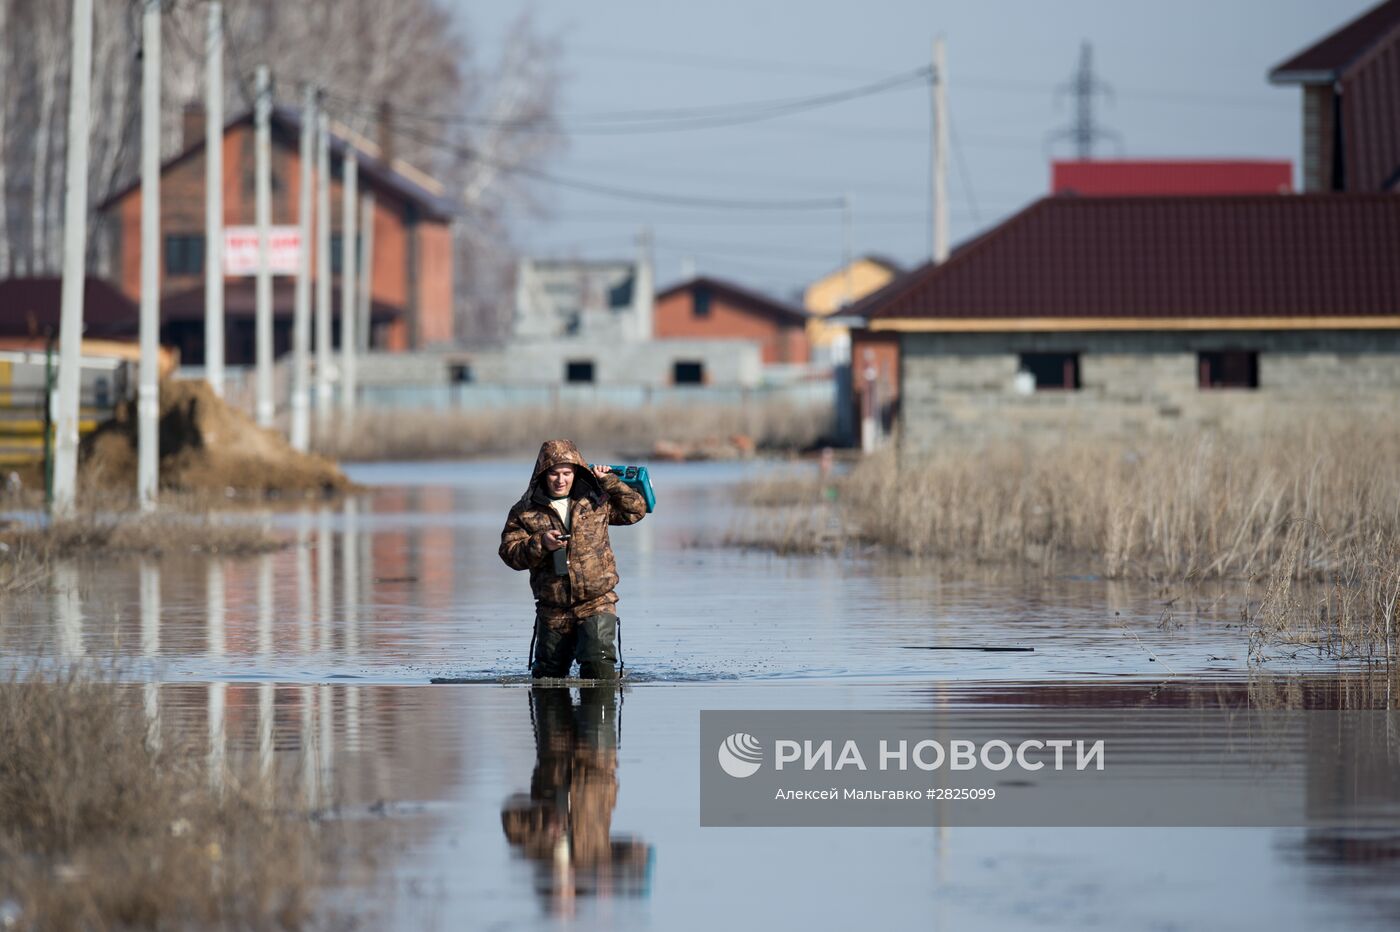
<point x="1323" y="260"/>
<point x="32" y="305"/>
<point x="240" y="302"/>
<point x="1104" y="177"/>
<point x="737" y="294"/>
<point x="1330" y="57"/>
<point x="398" y="177"/>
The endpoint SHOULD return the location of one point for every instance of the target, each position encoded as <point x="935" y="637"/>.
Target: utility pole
<point x="846" y="258"/>
<point x="70" y="325"/>
<point x="148" y="390"/>
<point x="262" y="210"/>
<point x="349" y="277"/>
<point x="938" y="209"/>
<point x="214" y="199"/>
<point x="323" y="272"/>
<point x="301" y="312"/>
<point x="366" y="270"/>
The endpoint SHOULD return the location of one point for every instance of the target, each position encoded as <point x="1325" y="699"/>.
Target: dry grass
<point x="151" y="535"/>
<point x="1345" y="608"/>
<point x="1208" y="506"/>
<point x="1311" y="512"/>
<point x="102" y="827"/>
<point x="407" y="435"/>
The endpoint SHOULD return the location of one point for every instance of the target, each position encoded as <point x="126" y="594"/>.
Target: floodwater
<point x="321" y="654"/>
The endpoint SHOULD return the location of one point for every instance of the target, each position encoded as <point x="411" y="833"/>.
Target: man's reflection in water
<point x="564" y="824"/>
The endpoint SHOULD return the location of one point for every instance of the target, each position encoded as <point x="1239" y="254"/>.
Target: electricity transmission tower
<point x="1085" y="86"/>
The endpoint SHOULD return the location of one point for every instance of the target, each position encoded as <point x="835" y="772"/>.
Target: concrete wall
<point x="726" y="362"/>
<point x="961" y="386"/>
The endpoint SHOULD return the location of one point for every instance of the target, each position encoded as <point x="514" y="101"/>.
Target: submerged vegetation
<point x="1310" y="513"/>
<point x="106" y="822"/>
<point x="27" y="551"/>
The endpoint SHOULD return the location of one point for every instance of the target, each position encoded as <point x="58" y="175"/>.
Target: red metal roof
<point x="29" y="307"/>
<point x="1304" y="256"/>
<point x="1328" y="58"/>
<point x="1104" y="177"/>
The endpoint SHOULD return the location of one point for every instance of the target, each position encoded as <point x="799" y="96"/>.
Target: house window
<point x="1229" y="369"/>
<point x="578" y="371"/>
<point x="1052" y="371"/>
<point x="184" y="254"/>
<point x="700" y="302"/>
<point x="688" y="372"/>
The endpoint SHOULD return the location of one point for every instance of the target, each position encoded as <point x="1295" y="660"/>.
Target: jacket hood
<point x="557" y="453"/>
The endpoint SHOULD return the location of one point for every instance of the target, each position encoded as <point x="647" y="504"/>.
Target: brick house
<point x="1351" y="104"/>
<point x="709" y="308"/>
<point x="411" y="280"/>
<point x="1128" y="315"/>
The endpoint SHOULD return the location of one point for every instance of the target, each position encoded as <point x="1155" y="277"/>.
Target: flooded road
<point x="513" y="807"/>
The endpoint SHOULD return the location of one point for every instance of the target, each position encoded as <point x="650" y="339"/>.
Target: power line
<point x="633" y="194"/>
<point x="660" y="120"/>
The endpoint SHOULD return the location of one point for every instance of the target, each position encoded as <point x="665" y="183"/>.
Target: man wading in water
<point x="559" y="532"/>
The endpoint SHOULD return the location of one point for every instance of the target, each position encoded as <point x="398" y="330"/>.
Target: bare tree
<point x="473" y="126"/>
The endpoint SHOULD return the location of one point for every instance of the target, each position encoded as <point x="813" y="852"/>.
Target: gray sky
<point x="1189" y="80"/>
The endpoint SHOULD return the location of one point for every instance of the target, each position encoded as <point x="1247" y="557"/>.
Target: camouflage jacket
<point x="594" y="504"/>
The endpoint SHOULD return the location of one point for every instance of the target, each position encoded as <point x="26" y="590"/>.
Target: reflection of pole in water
<point x="323" y="580"/>
<point x="265" y="593"/>
<point x="308" y="744"/>
<point x="350" y="579"/>
<point x="325" y="736"/>
<point x="150" y="609"/>
<point x="265" y="721"/>
<point x="68" y="610"/>
<point x="215" y="607"/>
<point x="150" y="694"/>
<point x="217" y="695"/>
<point x="149" y="586"/>
<point x="304" y="607"/>
<point x="350" y="598"/>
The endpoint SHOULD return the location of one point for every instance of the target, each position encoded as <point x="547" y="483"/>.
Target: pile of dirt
<point x="206" y="446"/>
<point x="733" y="447"/>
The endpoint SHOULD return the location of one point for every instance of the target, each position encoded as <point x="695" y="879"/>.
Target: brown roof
<point x="1327" y="59"/>
<point x="737" y="294"/>
<point x="286" y="126"/>
<point x="1246" y="256"/>
<point x="29" y="307"/>
<point x="240" y="302"/>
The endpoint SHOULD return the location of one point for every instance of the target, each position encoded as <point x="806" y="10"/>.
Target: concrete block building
<point x="1130" y="315"/>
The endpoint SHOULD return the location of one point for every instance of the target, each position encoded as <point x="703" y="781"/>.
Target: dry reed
<point x="126" y="533"/>
<point x="1313" y="509"/>
<point x="104" y="827"/>
<point x="1208" y="506"/>
<point x="407" y="435"/>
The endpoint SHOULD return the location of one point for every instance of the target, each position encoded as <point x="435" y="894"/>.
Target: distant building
<point x="1130" y="177"/>
<point x="1351" y="104"/>
<point x="711" y="309"/>
<point x="564" y="299"/>
<point x="411" y="281"/>
<point x="586" y="326"/>
<point x="836" y="292"/>
<point x="1129" y="315"/>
